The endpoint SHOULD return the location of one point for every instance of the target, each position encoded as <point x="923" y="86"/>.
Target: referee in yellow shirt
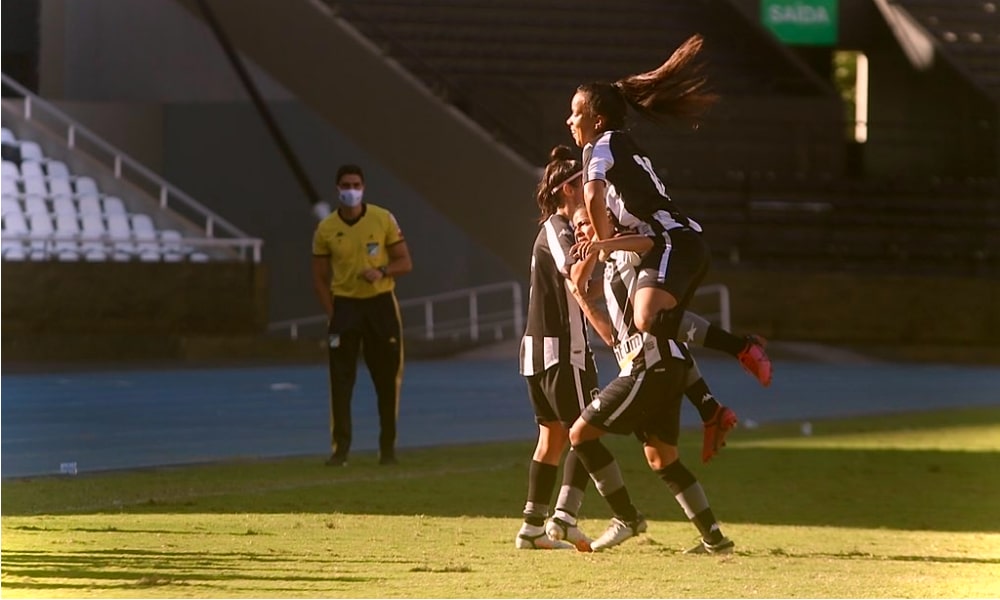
<point x="358" y="251"/>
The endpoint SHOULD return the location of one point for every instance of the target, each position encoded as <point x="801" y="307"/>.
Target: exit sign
<point x="801" y="22"/>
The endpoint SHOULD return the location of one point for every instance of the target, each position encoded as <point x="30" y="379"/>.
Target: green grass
<point x="884" y="507"/>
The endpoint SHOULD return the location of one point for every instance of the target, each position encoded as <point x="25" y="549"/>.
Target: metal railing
<point x="471" y="321"/>
<point x="170" y="198"/>
<point x="723" y="317"/>
<point x="468" y="313"/>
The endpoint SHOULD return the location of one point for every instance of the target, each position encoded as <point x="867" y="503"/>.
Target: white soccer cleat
<point x="532" y="537"/>
<point x="619" y="531"/>
<point x="560" y="530"/>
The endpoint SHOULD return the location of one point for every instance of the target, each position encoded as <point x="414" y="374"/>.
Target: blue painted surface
<point x="114" y="419"/>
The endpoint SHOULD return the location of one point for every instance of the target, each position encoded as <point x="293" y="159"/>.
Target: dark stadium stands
<point x="968" y="32"/>
<point x="513" y="64"/>
<point x="766" y="171"/>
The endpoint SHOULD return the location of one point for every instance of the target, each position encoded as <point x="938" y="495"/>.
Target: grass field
<point x="887" y="507"/>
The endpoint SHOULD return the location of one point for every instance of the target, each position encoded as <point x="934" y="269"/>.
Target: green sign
<point x="801" y="22"/>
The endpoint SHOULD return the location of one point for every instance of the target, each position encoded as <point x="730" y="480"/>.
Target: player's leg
<point x="659" y="435"/>
<point x="383" y="352"/>
<point x="717" y="420"/>
<point x="574" y="391"/>
<point x="544" y="465"/>
<point x="343" y="344"/>
<point x="696" y="330"/>
<point x="611" y="412"/>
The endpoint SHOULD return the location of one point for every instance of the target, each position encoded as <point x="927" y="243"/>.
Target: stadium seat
<point x="7" y="136"/>
<point x="13" y="251"/>
<point x="120" y="234"/>
<point x="147" y="246"/>
<point x="113" y="206"/>
<point x="89" y="204"/>
<point x="15" y="223"/>
<point x="31" y="151"/>
<point x="35" y="205"/>
<point x="11" y="205"/>
<point x="60" y="188"/>
<point x="64" y="206"/>
<point x="170" y="243"/>
<point x="10" y="170"/>
<point x="66" y="233"/>
<point x="57" y="169"/>
<point x="86" y="185"/>
<point x="32" y="169"/>
<point x="92" y="227"/>
<point x="142" y="224"/>
<point x="39" y="225"/>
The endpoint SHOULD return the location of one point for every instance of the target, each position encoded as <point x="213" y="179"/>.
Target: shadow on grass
<point x="121" y="569"/>
<point x="932" y="490"/>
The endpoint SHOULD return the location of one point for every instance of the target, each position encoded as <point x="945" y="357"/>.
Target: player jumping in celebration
<point x="620" y="178"/>
<point x="557" y="362"/>
<point x="644" y="399"/>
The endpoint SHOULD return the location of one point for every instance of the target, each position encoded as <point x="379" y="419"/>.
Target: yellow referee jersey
<point x="355" y="247"/>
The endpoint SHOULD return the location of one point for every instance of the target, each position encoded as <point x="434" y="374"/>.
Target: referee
<point x="358" y="251"/>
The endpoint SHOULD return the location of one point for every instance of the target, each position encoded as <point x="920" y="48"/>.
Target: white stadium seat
<point x="34" y="205"/>
<point x="15" y="223"/>
<point x="113" y="206"/>
<point x="142" y="224"/>
<point x="11" y="205"/>
<point x="149" y="250"/>
<point x="86" y="185"/>
<point x="57" y="169"/>
<point x="60" y="188"/>
<point x="31" y="151"/>
<point x="170" y="242"/>
<point x="10" y="169"/>
<point x="89" y="204"/>
<point x="121" y="235"/>
<point x="40" y="225"/>
<point x="67" y="230"/>
<point x="73" y="220"/>
<point x="64" y="206"/>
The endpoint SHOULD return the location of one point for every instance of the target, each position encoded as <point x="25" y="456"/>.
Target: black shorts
<point x="645" y="404"/>
<point x="560" y="392"/>
<point x="677" y="263"/>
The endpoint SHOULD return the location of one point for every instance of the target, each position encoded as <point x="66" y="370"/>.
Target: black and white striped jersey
<point x="636" y="196"/>
<point x="555" y="330"/>
<point x="634" y="350"/>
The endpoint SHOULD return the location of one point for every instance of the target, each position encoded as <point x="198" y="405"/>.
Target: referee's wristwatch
<point x="385" y="270"/>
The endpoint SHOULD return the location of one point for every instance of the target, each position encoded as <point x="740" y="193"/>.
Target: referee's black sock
<point x="607" y="476"/>
<point x="690" y="495"/>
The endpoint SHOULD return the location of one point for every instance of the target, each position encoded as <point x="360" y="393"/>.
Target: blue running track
<point x="114" y="419"/>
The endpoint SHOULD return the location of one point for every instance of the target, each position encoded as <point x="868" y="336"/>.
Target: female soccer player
<point x="644" y="399"/>
<point x="619" y="179"/>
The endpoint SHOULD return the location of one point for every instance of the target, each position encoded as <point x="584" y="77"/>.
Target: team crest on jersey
<point x="372" y="248"/>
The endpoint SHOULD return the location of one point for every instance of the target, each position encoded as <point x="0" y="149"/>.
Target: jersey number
<point x="647" y="166"/>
